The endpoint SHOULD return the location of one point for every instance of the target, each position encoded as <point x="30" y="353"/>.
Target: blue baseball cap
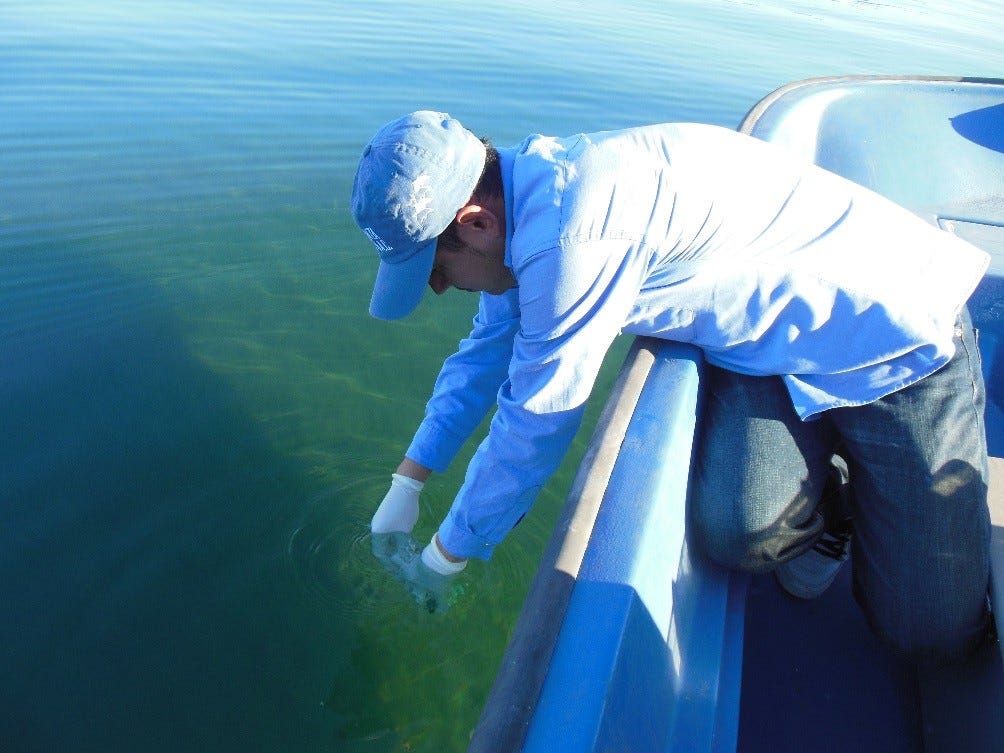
<point x="413" y="176"/>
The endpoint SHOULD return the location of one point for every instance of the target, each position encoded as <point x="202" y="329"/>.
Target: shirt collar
<point x="506" y="159"/>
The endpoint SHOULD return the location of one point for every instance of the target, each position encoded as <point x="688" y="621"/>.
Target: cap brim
<point x="399" y="287"/>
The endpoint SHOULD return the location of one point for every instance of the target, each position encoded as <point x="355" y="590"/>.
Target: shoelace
<point x="833" y="544"/>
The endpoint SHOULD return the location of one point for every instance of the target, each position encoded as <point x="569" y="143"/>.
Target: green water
<point x="198" y="415"/>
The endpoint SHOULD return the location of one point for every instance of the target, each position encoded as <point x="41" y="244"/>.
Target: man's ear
<point x="474" y="220"/>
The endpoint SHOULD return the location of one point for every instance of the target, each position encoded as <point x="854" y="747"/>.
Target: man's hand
<point x="398" y="512"/>
<point x="430" y="583"/>
<point x="429" y="575"/>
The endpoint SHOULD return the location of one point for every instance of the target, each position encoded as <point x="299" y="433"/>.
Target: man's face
<point x="472" y="269"/>
<point x="474" y="259"/>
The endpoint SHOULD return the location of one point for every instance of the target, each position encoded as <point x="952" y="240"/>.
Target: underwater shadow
<point x="143" y="515"/>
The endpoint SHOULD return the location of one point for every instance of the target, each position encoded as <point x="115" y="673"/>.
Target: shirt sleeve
<point x="572" y="305"/>
<point x="468" y="383"/>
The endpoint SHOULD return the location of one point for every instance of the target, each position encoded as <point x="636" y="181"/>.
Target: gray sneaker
<point x="810" y="574"/>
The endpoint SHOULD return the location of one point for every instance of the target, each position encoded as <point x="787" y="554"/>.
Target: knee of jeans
<point x="731" y="547"/>
<point x="937" y="651"/>
<point x="932" y="645"/>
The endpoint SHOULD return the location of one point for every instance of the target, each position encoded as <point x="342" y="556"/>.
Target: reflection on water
<point x="401" y="557"/>
<point x="329" y="550"/>
<point x="200" y="416"/>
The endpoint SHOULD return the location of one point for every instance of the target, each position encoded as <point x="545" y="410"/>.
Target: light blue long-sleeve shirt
<point x="692" y="233"/>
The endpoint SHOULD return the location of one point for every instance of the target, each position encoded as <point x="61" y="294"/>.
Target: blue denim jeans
<point x="915" y="463"/>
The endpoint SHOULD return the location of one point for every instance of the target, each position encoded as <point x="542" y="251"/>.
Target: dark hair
<point x="489" y="186"/>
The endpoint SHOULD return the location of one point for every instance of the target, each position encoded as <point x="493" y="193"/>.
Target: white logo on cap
<point x="380" y="243"/>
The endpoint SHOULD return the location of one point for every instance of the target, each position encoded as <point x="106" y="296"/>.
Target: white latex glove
<point x="399" y="509"/>
<point x="434" y="559"/>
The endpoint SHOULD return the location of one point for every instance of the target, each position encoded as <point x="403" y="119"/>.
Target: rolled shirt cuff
<point x="434" y="447"/>
<point x="463" y="543"/>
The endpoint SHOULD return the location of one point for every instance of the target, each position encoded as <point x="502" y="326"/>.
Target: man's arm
<point x="574" y="299"/>
<point x="465" y="389"/>
<point x="468" y="383"/>
<point x="411" y="469"/>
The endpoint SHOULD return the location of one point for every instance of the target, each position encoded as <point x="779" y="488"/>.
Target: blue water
<point x="198" y="415"/>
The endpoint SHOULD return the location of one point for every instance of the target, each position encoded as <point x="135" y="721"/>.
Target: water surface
<point x="199" y="417"/>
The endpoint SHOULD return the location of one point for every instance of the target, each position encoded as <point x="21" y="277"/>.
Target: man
<point x="843" y="376"/>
